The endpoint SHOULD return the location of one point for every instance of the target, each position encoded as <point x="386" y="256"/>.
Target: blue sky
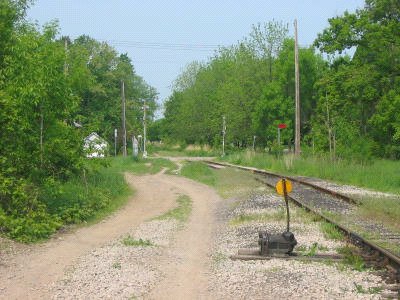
<point x="150" y="31"/>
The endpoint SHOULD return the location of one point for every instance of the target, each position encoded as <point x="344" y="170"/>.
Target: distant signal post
<point x="280" y="126"/>
<point x="297" y="150"/>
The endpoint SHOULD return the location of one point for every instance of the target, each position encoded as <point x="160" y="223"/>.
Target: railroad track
<point x="319" y="200"/>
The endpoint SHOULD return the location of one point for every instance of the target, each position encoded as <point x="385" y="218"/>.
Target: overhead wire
<point x="164" y="46"/>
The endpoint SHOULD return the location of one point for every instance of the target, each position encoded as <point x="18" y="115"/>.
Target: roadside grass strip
<point x="180" y="213"/>
<point x="198" y="171"/>
<point x="140" y="166"/>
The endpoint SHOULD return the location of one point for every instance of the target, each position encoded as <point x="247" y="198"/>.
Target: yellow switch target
<point x="279" y="186"/>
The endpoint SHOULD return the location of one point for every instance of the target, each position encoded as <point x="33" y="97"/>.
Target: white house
<point x="95" y="146"/>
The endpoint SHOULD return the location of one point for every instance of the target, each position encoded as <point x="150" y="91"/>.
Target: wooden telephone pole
<point x="144" y="129"/>
<point x="297" y="149"/>
<point x="223" y="135"/>
<point x="123" y="118"/>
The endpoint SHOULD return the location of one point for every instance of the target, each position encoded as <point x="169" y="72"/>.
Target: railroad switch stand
<point x="279" y="244"/>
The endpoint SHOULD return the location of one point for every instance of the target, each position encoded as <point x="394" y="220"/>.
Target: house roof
<point x="94" y="137"/>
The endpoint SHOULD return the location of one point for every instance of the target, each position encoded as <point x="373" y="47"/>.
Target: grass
<point x="180" y="213"/>
<point x="279" y="215"/>
<point x="219" y="257"/>
<point x="141" y="166"/>
<point x="380" y="175"/>
<point x="200" y="172"/>
<point x="228" y="182"/>
<point x="351" y="259"/>
<point x="311" y="250"/>
<point x="331" y="232"/>
<point x="386" y="210"/>
<point x="371" y="290"/>
<point x="117" y="265"/>
<point x="129" y="241"/>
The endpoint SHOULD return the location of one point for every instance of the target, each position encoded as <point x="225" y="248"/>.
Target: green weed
<point x="244" y="218"/>
<point x="219" y="257"/>
<point x="180" y="213"/>
<point x="312" y="250"/>
<point x="331" y="232"/>
<point x="129" y="241"/>
<point x="351" y="259"/>
<point x="371" y="290"/>
<point x="117" y="265"/>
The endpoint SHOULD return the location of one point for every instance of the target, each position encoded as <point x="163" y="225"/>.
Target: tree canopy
<point x="48" y="84"/>
<point x="349" y="88"/>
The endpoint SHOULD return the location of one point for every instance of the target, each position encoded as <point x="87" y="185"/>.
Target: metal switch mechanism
<point x="278" y="244"/>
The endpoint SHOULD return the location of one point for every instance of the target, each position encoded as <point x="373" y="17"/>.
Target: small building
<point x="95" y="146"/>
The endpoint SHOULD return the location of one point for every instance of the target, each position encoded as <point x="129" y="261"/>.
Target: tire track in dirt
<point x="188" y="278"/>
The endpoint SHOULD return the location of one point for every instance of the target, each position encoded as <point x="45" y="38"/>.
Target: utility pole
<point x="144" y="129"/>
<point x="66" y="56"/>
<point x="115" y="141"/>
<point x="254" y="143"/>
<point x="279" y="137"/>
<point x="223" y="135"/>
<point x="123" y="118"/>
<point x="297" y="149"/>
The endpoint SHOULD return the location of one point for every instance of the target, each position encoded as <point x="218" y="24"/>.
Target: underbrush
<point x="174" y="150"/>
<point x="35" y="212"/>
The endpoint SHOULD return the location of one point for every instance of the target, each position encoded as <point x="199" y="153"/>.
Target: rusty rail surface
<point x="388" y="258"/>
<point x="294" y="179"/>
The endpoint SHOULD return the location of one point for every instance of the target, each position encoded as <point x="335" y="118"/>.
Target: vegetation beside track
<point x="381" y="175"/>
<point x="228" y="182"/>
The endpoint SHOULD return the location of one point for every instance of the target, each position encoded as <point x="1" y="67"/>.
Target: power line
<point x="165" y="46"/>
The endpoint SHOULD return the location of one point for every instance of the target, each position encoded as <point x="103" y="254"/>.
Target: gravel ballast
<point x="279" y="278"/>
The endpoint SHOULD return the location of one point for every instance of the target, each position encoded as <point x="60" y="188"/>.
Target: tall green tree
<point x="358" y="86"/>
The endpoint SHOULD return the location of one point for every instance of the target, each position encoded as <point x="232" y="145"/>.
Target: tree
<point x="371" y="75"/>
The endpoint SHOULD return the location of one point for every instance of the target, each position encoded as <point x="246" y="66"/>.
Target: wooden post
<point x="223" y="135"/>
<point x="297" y="149"/>
<point x="144" y="130"/>
<point x="287" y="204"/>
<point x="123" y="118"/>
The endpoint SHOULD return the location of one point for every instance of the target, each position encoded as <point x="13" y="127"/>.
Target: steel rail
<point x="355" y="238"/>
<point x="317" y="187"/>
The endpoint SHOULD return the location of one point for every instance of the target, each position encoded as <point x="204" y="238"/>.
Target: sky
<point x="162" y="37"/>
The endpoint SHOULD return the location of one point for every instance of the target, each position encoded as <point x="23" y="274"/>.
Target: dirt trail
<point x="29" y="275"/>
<point x="188" y="279"/>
